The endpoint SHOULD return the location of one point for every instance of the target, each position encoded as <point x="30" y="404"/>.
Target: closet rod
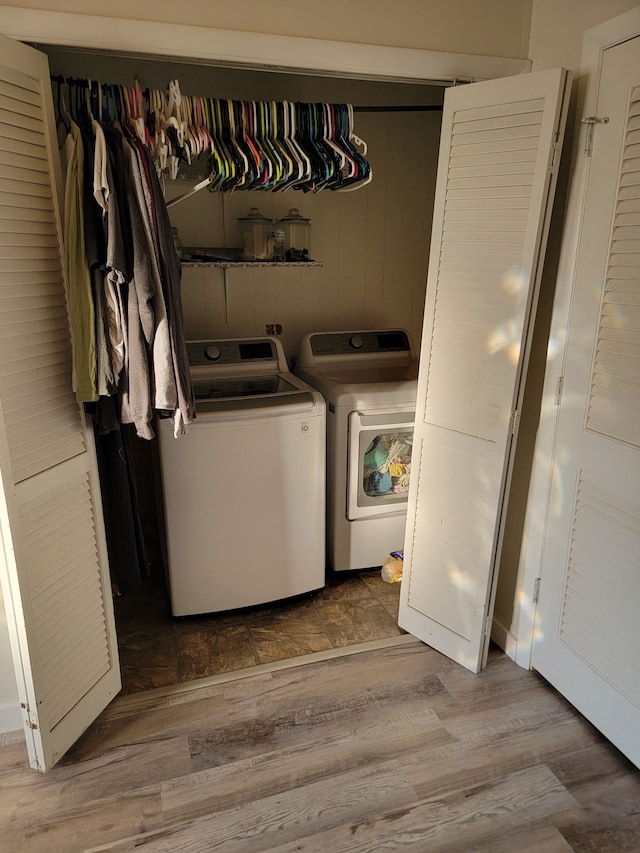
<point x="409" y="108"/>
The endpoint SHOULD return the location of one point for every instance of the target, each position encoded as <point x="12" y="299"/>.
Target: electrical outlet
<point x="273" y="329"/>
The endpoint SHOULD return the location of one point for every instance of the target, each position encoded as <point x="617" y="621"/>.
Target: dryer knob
<point x="213" y="353"/>
<point x="355" y="341"/>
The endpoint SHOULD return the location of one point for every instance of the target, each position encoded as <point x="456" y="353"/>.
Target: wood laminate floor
<point x="157" y="649"/>
<point x="389" y="750"/>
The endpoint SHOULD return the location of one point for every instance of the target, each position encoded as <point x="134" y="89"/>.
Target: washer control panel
<point x="234" y="351"/>
<point x="360" y="343"/>
<point x="213" y="352"/>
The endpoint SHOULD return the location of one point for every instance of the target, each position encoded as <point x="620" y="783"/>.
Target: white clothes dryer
<point x="369" y="382"/>
<point x="244" y="489"/>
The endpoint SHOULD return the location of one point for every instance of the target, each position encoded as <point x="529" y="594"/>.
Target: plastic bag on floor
<point x="392" y="568"/>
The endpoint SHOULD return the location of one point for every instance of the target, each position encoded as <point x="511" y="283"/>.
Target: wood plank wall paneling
<point x="373" y="243"/>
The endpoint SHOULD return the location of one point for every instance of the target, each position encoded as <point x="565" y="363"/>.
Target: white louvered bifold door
<point x="54" y="572"/>
<point x="496" y="174"/>
<point x="588" y="634"/>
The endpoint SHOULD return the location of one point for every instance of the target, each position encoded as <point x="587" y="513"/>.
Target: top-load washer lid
<point x="248" y="376"/>
<point x="235" y="387"/>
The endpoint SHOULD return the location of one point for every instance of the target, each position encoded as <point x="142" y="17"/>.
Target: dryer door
<point x="379" y="463"/>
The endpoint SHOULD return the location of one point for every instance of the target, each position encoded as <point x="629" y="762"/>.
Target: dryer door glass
<point x="379" y="463"/>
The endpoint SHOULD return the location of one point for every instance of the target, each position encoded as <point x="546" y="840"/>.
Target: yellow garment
<point x="397" y="469"/>
<point x="80" y="299"/>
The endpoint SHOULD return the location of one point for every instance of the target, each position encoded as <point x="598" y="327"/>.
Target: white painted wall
<point x="557" y="27"/>
<point x="488" y="28"/>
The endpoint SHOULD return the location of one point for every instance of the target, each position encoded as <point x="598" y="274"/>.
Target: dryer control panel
<point x="360" y="342"/>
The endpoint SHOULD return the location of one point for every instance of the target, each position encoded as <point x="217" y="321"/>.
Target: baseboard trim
<point x="504" y="639"/>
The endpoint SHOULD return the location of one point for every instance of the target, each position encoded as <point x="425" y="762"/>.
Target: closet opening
<point x="373" y="244"/>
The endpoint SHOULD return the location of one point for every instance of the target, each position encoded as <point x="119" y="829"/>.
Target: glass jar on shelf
<point x="254" y="236"/>
<point x="297" y="235"/>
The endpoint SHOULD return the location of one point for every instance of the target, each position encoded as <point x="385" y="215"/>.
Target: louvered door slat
<point x="23" y="124"/>
<point x="19" y="90"/>
<point x="28" y="238"/>
<point x="24" y="188"/>
<point x="486" y="154"/>
<point x="489" y="219"/>
<point x="492" y="154"/>
<point x="489" y="206"/>
<point x="491" y="232"/>
<point x="19" y="135"/>
<point x="21" y="253"/>
<point x="29" y="208"/>
<point x="47" y="387"/>
<point x="50" y="450"/>
<point x="39" y="347"/>
<point x="24" y="170"/>
<point x="479" y="172"/>
<point x="13" y="148"/>
<point x="32" y="160"/>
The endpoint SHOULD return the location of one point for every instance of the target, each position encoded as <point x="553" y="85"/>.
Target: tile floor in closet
<point x="158" y="650"/>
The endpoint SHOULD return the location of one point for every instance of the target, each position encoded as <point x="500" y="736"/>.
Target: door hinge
<point x="558" y="392"/>
<point x="28" y="722"/>
<point x="555" y="158"/>
<point x="514" y="421"/>
<point x="488" y="622"/>
<point x="591" y="122"/>
<point x="536" y="590"/>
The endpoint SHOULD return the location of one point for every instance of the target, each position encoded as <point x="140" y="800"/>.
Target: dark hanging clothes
<point x="128" y="563"/>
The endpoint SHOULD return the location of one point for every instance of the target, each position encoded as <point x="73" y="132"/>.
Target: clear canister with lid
<point x="254" y="236"/>
<point x="297" y="235"/>
<point x="277" y="246"/>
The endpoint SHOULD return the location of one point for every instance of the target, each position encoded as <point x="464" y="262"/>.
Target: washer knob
<point x="213" y="353"/>
<point x="355" y="341"/>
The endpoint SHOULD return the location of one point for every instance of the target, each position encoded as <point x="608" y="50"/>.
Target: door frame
<point x="260" y="51"/>
<point x="542" y="487"/>
<point x="249" y="50"/>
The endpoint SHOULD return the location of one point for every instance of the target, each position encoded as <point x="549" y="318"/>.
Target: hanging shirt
<point x="80" y="299"/>
<point x="119" y="249"/>
<point x="94" y="236"/>
<point x="149" y="287"/>
<point x="171" y="271"/>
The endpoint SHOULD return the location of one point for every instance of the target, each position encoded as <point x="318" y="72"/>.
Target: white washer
<point x="369" y="381"/>
<point x="244" y="489"/>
